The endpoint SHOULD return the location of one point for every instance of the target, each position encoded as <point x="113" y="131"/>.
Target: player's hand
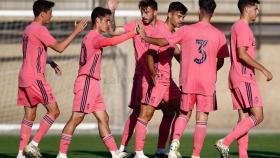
<point x="112" y="4"/>
<point x="140" y="30"/>
<point x="268" y="75"/>
<point x="79" y="27"/>
<point x="57" y="69"/>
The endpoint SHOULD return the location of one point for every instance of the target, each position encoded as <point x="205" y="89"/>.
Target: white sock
<point x="20" y="152"/>
<point x="113" y="153"/>
<point x="160" y="150"/>
<point x="139" y="152"/>
<point x="122" y="148"/>
<point x="34" y="143"/>
<point x="62" y="154"/>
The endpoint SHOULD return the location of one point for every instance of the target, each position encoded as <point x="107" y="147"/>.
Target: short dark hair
<point x="177" y="6"/>
<point x="42" y="6"/>
<point x="243" y="3"/>
<point x="208" y="6"/>
<point x="148" y="3"/>
<point x="99" y="12"/>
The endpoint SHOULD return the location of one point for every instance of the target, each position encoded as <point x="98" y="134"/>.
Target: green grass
<point x="91" y="146"/>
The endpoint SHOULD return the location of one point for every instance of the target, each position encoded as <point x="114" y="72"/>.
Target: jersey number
<point x="202" y="44"/>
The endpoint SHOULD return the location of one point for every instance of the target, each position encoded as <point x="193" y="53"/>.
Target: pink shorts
<point x="204" y="103"/>
<point x="87" y="97"/>
<point x="137" y="91"/>
<point x="153" y="95"/>
<point x="39" y="92"/>
<point x="246" y="95"/>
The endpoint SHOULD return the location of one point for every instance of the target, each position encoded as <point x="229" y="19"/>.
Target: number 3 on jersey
<point x="202" y="44"/>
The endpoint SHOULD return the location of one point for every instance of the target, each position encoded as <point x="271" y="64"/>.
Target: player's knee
<point x="55" y="113"/>
<point x="145" y="116"/>
<point x="259" y="118"/>
<point x="30" y="116"/>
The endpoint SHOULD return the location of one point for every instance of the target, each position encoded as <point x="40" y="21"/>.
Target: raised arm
<point x="62" y="45"/>
<point x="155" y="41"/>
<point x="113" y="30"/>
<point x="247" y="59"/>
<point x="115" y="40"/>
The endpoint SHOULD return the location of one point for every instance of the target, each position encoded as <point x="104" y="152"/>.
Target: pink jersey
<point x="241" y="36"/>
<point x="91" y="51"/>
<point x="162" y="56"/>
<point x="140" y="45"/>
<point x="201" y="44"/>
<point x="35" y="40"/>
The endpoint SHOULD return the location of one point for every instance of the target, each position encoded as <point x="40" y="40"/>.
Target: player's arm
<point x="62" y="45"/>
<point x="57" y="69"/>
<point x="222" y="52"/>
<point x="115" y="40"/>
<point x="247" y="59"/>
<point x="177" y="53"/>
<point x="113" y="30"/>
<point x="155" y="41"/>
<point x="150" y="64"/>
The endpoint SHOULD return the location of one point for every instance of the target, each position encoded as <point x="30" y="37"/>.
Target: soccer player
<point x="148" y="10"/>
<point x="33" y="87"/>
<point x="245" y="94"/>
<point x="88" y="97"/>
<point x="161" y="87"/>
<point x="203" y="51"/>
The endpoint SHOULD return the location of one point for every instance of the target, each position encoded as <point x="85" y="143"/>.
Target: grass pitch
<point x="91" y="146"/>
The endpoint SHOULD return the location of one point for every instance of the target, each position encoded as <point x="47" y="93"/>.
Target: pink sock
<point x="199" y="135"/>
<point x="129" y="128"/>
<point x="45" y="125"/>
<point x="240" y="129"/>
<point x="25" y="132"/>
<point x="140" y="134"/>
<point x="110" y="143"/>
<point x="65" y="141"/>
<point x="243" y="146"/>
<point x="179" y="127"/>
<point x="164" y="129"/>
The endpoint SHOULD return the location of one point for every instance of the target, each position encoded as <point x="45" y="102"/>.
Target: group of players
<point x="200" y="49"/>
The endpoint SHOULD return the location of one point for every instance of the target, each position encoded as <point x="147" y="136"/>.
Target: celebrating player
<point x="88" y="97"/>
<point x="33" y="87"/>
<point x="245" y="94"/>
<point x="201" y="44"/>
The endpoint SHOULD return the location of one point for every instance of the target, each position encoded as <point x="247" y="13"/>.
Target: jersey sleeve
<point x="45" y="37"/>
<point x="105" y="41"/>
<point x="223" y="48"/>
<point x="243" y="37"/>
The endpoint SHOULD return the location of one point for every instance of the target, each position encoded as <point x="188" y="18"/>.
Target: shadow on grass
<point x="7" y="155"/>
<point x="260" y="154"/>
<point x="105" y="154"/>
